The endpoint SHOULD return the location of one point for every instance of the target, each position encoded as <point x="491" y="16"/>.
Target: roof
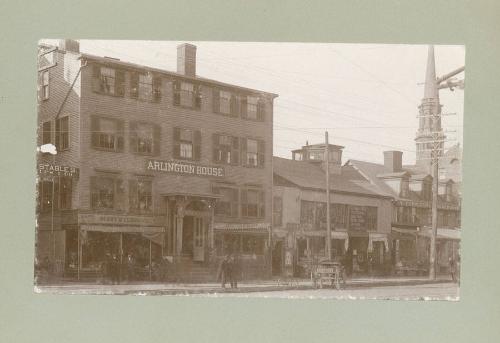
<point x="307" y="175"/>
<point x="116" y="61"/>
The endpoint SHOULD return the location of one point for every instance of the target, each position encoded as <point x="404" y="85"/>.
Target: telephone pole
<point x="328" y="226"/>
<point x="431" y="138"/>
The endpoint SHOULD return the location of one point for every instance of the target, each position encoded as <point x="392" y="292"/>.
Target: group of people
<point x="229" y="271"/>
<point x="114" y="270"/>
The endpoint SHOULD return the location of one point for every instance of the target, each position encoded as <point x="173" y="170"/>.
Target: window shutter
<point x="120" y="83"/>
<point x="260" y="153"/>
<point x="215" y="147"/>
<point x="94" y="131"/>
<point x="176" y="85"/>
<point x="134" y="85"/>
<point x="243" y="107"/>
<point x="262" y="204"/>
<point x="96" y="79"/>
<point x="58" y="134"/>
<point x="120" y="144"/>
<point x="261" y="110"/>
<point x="197" y="97"/>
<point x="156" y="139"/>
<point x="244" y="212"/>
<point x="216" y="100"/>
<point x="235" y="151"/>
<point x="197" y="145"/>
<point x="234" y="105"/>
<point x="133" y="196"/>
<point x="234" y="203"/>
<point x="177" y="146"/>
<point x="157" y="83"/>
<point x="93" y="192"/>
<point x="132" y="136"/>
<point x="243" y="148"/>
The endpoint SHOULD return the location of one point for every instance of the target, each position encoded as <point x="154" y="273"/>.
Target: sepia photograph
<point x="249" y="169"/>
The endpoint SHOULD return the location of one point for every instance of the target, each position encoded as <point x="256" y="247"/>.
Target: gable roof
<point x="307" y="175"/>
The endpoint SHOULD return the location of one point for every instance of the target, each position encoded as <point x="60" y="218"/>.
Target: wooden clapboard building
<point x="150" y="163"/>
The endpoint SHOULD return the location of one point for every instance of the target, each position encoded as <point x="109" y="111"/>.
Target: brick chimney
<point x="393" y="161"/>
<point x="69" y="45"/>
<point x="186" y="59"/>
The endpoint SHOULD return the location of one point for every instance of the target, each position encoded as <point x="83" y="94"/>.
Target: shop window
<point x="141" y="196"/>
<point x="252" y="245"/>
<point x="228" y="204"/>
<point x="225" y="149"/>
<point x="278" y="211"/>
<point x="144" y="138"/>
<point x="253" y="152"/>
<point x="107" y="134"/>
<point x="231" y="244"/>
<point x="62" y="133"/>
<point x="187" y="94"/>
<point x="47" y="132"/>
<point x="106" y="193"/>
<point x="108" y="80"/>
<point x="340" y="214"/>
<point x="252" y="203"/>
<point x="187" y="144"/>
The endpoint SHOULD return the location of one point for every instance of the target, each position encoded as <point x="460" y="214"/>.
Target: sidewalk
<point x="214" y="288"/>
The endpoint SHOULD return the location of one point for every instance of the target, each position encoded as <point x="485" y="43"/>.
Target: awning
<point x="442" y="233"/>
<point x="377" y="237"/>
<point x="122" y="228"/>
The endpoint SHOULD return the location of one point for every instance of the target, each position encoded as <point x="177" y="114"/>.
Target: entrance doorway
<point x="277" y="257"/>
<point x="193" y="238"/>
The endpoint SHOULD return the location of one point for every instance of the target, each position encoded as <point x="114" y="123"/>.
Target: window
<point x="62" y="133"/>
<point x="426" y="190"/>
<point x="317" y="155"/>
<point x="46" y="132"/>
<point x="107" y="134"/>
<point x="251" y="244"/>
<point x="45" y="85"/>
<point x="225" y="102"/>
<point x="252" y="203"/>
<point x="371" y="218"/>
<point x="106" y="192"/>
<point x="228" y="204"/>
<point x="108" y="80"/>
<point x="298" y="156"/>
<point x="144" y="138"/>
<point x="59" y="193"/>
<point x="141" y="196"/>
<point x="340" y="214"/>
<point x="187" y="144"/>
<point x="253" y="152"/>
<point x="252" y="107"/>
<point x="277" y="211"/>
<point x="187" y="95"/>
<point x="405" y="188"/>
<point x="226" y="149"/>
<point x="145" y="86"/>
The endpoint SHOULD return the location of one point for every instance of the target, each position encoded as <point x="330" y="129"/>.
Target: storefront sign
<point x="57" y="170"/>
<point x="94" y="218"/>
<point x="184" y="168"/>
<point x="240" y="227"/>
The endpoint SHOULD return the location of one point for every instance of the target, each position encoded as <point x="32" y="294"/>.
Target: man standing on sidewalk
<point x="223" y="271"/>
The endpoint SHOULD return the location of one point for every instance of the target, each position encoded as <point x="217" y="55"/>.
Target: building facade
<point x="360" y="215"/>
<point x="152" y="164"/>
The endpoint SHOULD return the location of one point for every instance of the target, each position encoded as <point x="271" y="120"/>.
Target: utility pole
<point x="433" y="137"/>
<point x="328" y="226"/>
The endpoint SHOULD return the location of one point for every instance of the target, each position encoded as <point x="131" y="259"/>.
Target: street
<point x="440" y="291"/>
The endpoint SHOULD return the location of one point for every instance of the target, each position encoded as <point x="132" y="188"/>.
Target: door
<point x="198" y="240"/>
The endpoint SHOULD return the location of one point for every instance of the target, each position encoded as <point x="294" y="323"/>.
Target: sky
<point x="365" y="95"/>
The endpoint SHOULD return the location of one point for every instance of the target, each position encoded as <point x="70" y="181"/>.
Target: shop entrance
<point x="193" y="238"/>
<point x="277" y="257"/>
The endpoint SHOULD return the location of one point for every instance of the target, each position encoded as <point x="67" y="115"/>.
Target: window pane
<point x="186" y="150"/>
<point x="225" y="102"/>
<point x="252" y="103"/>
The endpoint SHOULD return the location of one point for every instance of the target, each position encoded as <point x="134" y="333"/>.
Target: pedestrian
<point x="115" y="270"/>
<point x="233" y="271"/>
<point x="130" y="265"/>
<point x="223" y="271"/>
<point x="452" y="265"/>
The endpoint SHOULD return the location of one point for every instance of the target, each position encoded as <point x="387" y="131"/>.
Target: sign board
<point x="184" y="168"/>
<point x="58" y="170"/>
<point x="113" y="219"/>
